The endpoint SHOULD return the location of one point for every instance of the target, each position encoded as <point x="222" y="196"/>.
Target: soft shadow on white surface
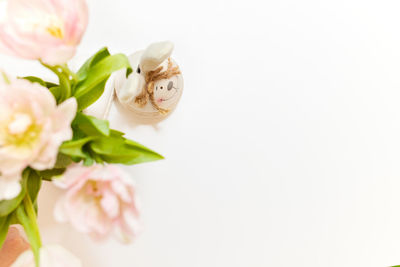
<point x="285" y="148"/>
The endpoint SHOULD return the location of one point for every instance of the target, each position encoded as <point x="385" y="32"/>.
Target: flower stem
<point x="30" y="209"/>
<point x="66" y="77"/>
<point x="72" y="75"/>
<point x="27" y="217"/>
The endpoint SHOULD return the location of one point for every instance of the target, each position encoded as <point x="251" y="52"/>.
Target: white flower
<point x="50" y="256"/>
<point x="32" y="127"/>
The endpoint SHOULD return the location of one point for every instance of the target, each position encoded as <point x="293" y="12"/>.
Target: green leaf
<point x="8" y="206"/>
<point x="56" y="91"/>
<point x="96" y="92"/>
<point x="116" y="133"/>
<point x="74" y="148"/>
<point x="89" y="161"/>
<point x="4" y="225"/>
<point x="63" y="74"/>
<point x="62" y="162"/>
<point x="92" y="87"/>
<point x="31" y="230"/>
<point x="50" y="84"/>
<point x="49" y="174"/>
<point x="33" y="183"/>
<point x="97" y="158"/>
<point x="54" y="88"/>
<point x="65" y="87"/>
<point x="120" y="150"/>
<point x="2" y="221"/>
<point x="83" y="71"/>
<point x="34" y="79"/>
<point x="90" y="125"/>
<point x="38" y="80"/>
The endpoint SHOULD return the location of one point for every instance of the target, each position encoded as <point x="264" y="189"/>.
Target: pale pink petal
<point x="76" y="211"/>
<point x="99" y="200"/>
<point x="60" y="214"/>
<point x="97" y="221"/>
<point x="121" y="190"/>
<point x="110" y="204"/>
<point x="57" y="256"/>
<point x="43" y="29"/>
<point x="50" y="256"/>
<point x="39" y="159"/>
<point x="26" y="259"/>
<point x="13" y="161"/>
<point x="61" y="131"/>
<point x="64" y="115"/>
<point x="127" y="228"/>
<point x="73" y="179"/>
<point x="58" y="55"/>
<point x="132" y="221"/>
<point x="10" y="187"/>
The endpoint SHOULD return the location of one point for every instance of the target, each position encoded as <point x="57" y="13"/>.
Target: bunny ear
<point x="155" y="54"/>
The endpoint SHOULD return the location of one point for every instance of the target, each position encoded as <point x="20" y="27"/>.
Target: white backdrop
<point x="285" y="148"/>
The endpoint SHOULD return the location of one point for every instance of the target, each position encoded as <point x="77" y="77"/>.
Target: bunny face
<point x="164" y="92"/>
<point x="167" y="92"/>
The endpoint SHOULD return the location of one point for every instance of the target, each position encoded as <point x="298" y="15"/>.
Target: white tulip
<point x="50" y="256"/>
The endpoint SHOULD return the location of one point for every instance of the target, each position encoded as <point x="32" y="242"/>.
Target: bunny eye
<point x="138" y="70"/>
<point x="161" y="87"/>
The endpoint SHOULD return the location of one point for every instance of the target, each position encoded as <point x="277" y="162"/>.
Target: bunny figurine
<point x="152" y="91"/>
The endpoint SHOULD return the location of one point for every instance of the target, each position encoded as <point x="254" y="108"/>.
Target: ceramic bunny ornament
<point x="152" y="91"/>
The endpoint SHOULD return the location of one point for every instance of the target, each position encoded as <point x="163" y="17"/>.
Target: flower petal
<point x="10" y="187"/>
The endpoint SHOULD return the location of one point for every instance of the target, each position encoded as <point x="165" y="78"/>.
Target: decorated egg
<point x="153" y="89"/>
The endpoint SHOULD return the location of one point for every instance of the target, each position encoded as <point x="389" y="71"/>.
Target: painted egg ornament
<point x="153" y="89"/>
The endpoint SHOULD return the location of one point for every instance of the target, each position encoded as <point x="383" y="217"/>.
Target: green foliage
<point x="55" y="89"/>
<point x="91" y="126"/>
<point x="25" y="213"/>
<point x="74" y="148"/>
<point x="84" y="70"/>
<point x="94" y="75"/>
<point x="26" y="216"/>
<point x="94" y="141"/>
<point x="33" y="184"/>
<point x="8" y="206"/>
<point x="117" y="149"/>
<point x="87" y="85"/>
<point x="39" y="81"/>
<point x="66" y="80"/>
<point x="12" y="211"/>
<point x="48" y="175"/>
<point x="4" y="225"/>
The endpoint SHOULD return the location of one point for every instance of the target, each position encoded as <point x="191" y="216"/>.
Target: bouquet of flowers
<point x="45" y="136"/>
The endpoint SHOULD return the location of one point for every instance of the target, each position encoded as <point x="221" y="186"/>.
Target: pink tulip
<point x="99" y="200"/>
<point x="32" y="127"/>
<point x="50" y="256"/>
<point x="48" y="30"/>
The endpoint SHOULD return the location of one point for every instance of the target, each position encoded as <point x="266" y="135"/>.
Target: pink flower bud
<point x="48" y="30"/>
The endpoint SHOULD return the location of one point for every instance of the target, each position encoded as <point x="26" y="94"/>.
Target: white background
<point x="285" y="148"/>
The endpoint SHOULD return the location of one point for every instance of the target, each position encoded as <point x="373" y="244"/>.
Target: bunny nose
<point x="170" y="85"/>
